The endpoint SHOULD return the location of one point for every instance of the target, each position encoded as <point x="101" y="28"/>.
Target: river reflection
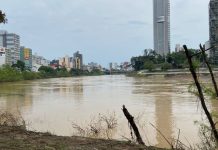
<point x="53" y="104"/>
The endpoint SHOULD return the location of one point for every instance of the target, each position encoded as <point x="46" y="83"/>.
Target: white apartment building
<point x="11" y="41"/>
<point x="5" y="56"/>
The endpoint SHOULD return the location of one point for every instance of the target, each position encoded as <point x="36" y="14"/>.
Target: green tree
<point x="177" y="59"/>
<point x="149" y="65"/>
<point x="20" y="65"/>
<point x="62" y="72"/>
<point x="47" y="71"/>
<point x="3" y="18"/>
<point x="76" y="72"/>
<point x="165" y="66"/>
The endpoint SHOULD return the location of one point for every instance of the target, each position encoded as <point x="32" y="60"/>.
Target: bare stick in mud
<point x="131" y="121"/>
<point x="209" y="68"/>
<point x="162" y="135"/>
<point x="201" y="95"/>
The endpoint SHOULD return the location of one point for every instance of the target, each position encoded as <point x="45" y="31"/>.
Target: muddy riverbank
<point x="20" y="139"/>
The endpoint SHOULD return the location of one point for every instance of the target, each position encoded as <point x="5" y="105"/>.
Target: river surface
<point x="54" y="104"/>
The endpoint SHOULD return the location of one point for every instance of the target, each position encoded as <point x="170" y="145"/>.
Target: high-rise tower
<point x="161" y="18"/>
<point x="11" y="41"/>
<point x="213" y="23"/>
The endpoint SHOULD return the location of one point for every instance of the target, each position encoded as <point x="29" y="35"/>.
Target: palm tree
<point x="3" y="18"/>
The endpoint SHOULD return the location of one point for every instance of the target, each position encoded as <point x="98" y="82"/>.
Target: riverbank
<point x="10" y="74"/>
<point x="19" y="139"/>
<point x="168" y="73"/>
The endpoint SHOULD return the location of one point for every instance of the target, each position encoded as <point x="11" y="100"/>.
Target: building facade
<point x="54" y="64"/>
<point x="213" y="23"/>
<point x="75" y="62"/>
<point x="178" y="48"/>
<point x="38" y="61"/>
<point x="66" y="62"/>
<point x="207" y="46"/>
<point x="5" y="56"/>
<point x="26" y="57"/>
<point x="11" y="41"/>
<point x="161" y="23"/>
<point x="78" y="60"/>
<point x="93" y="66"/>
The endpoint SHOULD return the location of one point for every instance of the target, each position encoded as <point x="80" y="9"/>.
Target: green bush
<point x="8" y="74"/>
<point x="27" y="75"/>
<point x="47" y="72"/>
<point x="76" y="72"/>
<point x="166" y="66"/>
<point x="149" y="65"/>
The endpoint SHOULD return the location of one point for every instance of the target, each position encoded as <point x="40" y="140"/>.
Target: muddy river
<point x="57" y="105"/>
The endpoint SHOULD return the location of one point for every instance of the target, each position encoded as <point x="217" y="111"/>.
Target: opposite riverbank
<point x="19" y="139"/>
<point x="170" y="73"/>
<point x="11" y="74"/>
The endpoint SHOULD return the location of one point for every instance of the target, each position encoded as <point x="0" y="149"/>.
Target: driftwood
<point x="131" y="121"/>
<point x="201" y="95"/>
<point x="209" y="68"/>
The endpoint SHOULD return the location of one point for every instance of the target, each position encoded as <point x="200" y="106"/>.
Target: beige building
<point x="75" y="62"/>
<point x="78" y="60"/>
<point x="65" y="62"/>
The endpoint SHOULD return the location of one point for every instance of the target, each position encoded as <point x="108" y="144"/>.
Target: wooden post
<point x="201" y="96"/>
<point x="130" y="119"/>
<point x="210" y="69"/>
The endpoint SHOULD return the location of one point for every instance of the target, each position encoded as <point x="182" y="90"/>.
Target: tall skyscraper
<point x="213" y="23"/>
<point x="161" y="18"/>
<point x="11" y="41"/>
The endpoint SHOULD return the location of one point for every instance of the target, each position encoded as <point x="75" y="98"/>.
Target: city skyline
<point x="103" y="31"/>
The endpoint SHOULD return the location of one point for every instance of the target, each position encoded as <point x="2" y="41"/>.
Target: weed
<point x="100" y="127"/>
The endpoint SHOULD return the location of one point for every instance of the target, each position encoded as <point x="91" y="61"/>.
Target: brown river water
<point x="54" y="104"/>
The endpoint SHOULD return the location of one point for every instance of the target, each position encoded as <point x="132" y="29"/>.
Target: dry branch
<point x="209" y="68"/>
<point x="162" y="135"/>
<point x="131" y="121"/>
<point x="201" y="96"/>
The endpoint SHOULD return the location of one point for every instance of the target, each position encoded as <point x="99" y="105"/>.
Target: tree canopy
<point x="20" y="65"/>
<point x="3" y="18"/>
<point x="174" y="60"/>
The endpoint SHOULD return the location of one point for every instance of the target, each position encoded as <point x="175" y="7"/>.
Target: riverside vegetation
<point x="175" y="60"/>
<point x="18" y="72"/>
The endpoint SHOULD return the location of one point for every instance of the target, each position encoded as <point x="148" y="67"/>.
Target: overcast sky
<point x="102" y="30"/>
